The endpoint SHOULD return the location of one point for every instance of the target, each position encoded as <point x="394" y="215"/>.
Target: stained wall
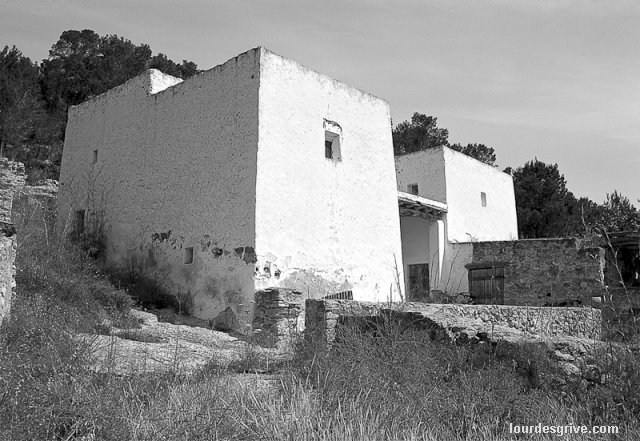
<point x="325" y="225"/>
<point x="168" y="169"/>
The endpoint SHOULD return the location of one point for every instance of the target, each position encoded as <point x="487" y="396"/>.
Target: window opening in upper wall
<point x="188" y="255"/>
<point x="95" y="156"/>
<point x="332" y="146"/>
<point x="483" y="198"/>
<point x="412" y="188"/>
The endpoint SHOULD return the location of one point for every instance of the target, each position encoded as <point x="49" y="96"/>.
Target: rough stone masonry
<point x="11" y="179"/>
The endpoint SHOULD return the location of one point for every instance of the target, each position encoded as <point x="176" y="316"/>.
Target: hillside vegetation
<point x="393" y="385"/>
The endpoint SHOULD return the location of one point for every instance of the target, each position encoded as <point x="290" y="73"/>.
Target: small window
<point x="79" y="223"/>
<point x="328" y="149"/>
<point x="95" y="156"/>
<point x="188" y="255"/>
<point x="332" y="146"/>
<point x="412" y="188"/>
<point x="483" y="199"/>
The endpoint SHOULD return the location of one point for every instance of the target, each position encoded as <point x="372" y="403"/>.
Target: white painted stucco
<point x="467" y="220"/>
<point x="176" y="169"/>
<point x="425" y="168"/>
<point x="327" y="225"/>
<point x="231" y="163"/>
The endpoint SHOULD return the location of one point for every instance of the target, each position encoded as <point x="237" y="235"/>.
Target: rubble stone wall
<point x="323" y="316"/>
<point x="278" y="316"/>
<point x="540" y="321"/>
<point x="545" y="272"/>
<point x="11" y="178"/>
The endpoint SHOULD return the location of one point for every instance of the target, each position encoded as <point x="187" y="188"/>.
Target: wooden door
<point x="418" y="282"/>
<point x="486" y="285"/>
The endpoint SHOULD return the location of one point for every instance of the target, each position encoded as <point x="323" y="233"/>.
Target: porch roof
<point x="417" y="206"/>
<point x="629" y="239"/>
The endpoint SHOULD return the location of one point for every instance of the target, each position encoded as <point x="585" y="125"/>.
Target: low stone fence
<point x="471" y="321"/>
<point x="322" y="316"/>
<point x="278" y="317"/>
<point x="541" y="321"/>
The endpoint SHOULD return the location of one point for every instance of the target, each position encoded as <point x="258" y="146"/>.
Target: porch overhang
<point x="620" y="239"/>
<point x="416" y="206"/>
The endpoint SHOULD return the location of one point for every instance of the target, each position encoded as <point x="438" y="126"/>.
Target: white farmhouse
<point x="447" y="198"/>
<point x="257" y="173"/>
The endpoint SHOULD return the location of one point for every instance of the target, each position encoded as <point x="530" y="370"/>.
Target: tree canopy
<point x="20" y="103"/>
<point x="543" y="202"/>
<point x="422" y="133"/>
<point x="82" y="64"/>
<point x="546" y="208"/>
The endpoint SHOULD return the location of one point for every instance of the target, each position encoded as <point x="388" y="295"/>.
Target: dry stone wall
<point x="567" y="337"/>
<point x="279" y="316"/>
<point x="34" y="206"/>
<point x="12" y="177"/>
<point x="545" y="272"/>
<point x="458" y="323"/>
<point x="322" y="317"/>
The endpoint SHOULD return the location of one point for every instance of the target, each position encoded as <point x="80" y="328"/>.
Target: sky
<point x="556" y="80"/>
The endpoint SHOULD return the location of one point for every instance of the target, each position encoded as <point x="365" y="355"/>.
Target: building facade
<point x="448" y="198"/>
<point x="257" y="173"/>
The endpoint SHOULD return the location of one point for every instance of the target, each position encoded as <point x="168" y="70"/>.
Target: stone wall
<point x="539" y="321"/>
<point x="544" y="272"/>
<point x="278" y="316"/>
<point x="459" y="323"/>
<point x="34" y="206"/>
<point x="322" y="317"/>
<point x="11" y="178"/>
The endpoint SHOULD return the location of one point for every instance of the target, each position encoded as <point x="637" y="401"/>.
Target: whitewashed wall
<point x="324" y="226"/>
<point x="176" y="169"/>
<point x="425" y="168"/>
<point x="467" y="219"/>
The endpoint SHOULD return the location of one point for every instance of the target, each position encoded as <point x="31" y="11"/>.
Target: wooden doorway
<point x="486" y="285"/>
<point x="419" y="289"/>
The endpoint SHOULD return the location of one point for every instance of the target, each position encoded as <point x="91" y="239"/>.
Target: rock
<point x="563" y="357"/>
<point x="570" y="371"/>
<point x="592" y="373"/>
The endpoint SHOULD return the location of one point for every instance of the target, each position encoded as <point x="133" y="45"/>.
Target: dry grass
<point x="387" y="385"/>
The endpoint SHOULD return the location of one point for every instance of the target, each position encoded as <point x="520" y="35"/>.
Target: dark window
<point x="328" y="149"/>
<point x="412" y="188"/>
<point x="188" y="255"/>
<point x="418" y="282"/>
<point x="483" y="198"/>
<point x="332" y="146"/>
<point x="95" y="156"/>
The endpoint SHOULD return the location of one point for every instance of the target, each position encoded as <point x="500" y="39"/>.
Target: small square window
<point x="328" y="149"/>
<point x="332" y="146"/>
<point x="95" y="156"/>
<point x="483" y="198"/>
<point x="188" y="255"/>
<point x="412" y="188"/>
